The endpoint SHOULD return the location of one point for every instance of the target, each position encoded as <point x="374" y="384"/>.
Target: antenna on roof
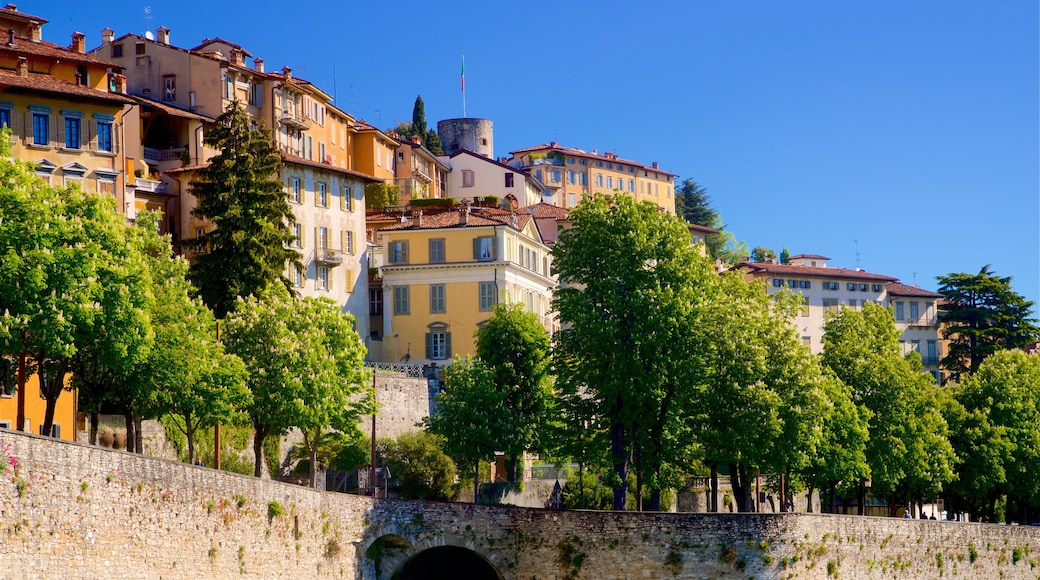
<point x="857" y="253"/>
<point x="148" y="22"/>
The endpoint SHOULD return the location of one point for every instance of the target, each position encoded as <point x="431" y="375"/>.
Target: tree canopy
<point x="249" y="245"/>
<point x="982" y="315"/>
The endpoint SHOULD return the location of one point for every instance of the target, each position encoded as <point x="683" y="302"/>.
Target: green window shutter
<point x="429" y="345"/>
<point x="494" y="248"/>
<point x="476" y="248"/>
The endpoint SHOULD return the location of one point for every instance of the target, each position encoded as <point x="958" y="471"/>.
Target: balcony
<point x="547" y="161"/>
<point x="149" y="185"/>
<point x="930" y="360"/>
<point x="173" y="154"/>
<point x="294" y="120"/>
<point x="328" y="257"/>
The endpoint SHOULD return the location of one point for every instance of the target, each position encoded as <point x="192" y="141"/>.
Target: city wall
<point x="70" y="508"/>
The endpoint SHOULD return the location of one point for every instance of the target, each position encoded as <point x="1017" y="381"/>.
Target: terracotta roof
<point x="789" y="270"/>
<point x="702" y="229"/>
<point x="810" y="257"/>
<point x="899" y="289"/>
<point x="25" y="47"/>
<point x="40" y="83"/>
<point x="478" y="217"/>
<point x="170" y="109"/>
<point x="187" y="168"/>
<point x="208" y="41"/>
<point x="609" y="157"/>
<point x="328" y="167"/>
<point x="8" y="13"/>
<point x="546" y="210"/>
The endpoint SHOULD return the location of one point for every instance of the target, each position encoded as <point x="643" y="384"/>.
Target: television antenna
<point x="148" y="22"/>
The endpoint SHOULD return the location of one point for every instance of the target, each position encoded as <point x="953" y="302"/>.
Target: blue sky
<point x="900" y="137"/>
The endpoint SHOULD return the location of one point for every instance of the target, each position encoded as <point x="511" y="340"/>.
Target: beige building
<point x="322" y="168"/>
<point x="571" y="174"/>
<point x="826" y="289"/>
<point x="418" y="172"/>
<point x="473" y="175"/>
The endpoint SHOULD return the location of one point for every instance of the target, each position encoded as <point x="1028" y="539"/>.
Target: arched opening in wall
<point x="447" y="563"/>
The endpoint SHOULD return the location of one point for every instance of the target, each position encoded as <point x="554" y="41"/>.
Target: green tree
<point x="628" y="331"/>
<point x="515" y="347"/>
<point x="693" y="204"/>
<point x="467" y="412"/>
<point x="419" y="118"/>
<point x="433" y="142"/>
<point x="304" y="362"/>
<point x="239" y="192"/>
<point x="982" y="315"/>
<point x="761" y="254"/>
<point x="785" y="256"/>
<point x="379" y="196"/>
<point x="420" y="466"/>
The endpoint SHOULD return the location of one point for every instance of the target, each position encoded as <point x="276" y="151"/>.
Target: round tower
<point x="474" y="135"/>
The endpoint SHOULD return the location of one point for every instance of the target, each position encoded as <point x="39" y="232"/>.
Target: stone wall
<point x="403" y="402"/>
<point x="70" y="508"/>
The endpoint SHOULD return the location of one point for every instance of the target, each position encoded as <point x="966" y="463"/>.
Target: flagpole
<point x="463" y="85"/>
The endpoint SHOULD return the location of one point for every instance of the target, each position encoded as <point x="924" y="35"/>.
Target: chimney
<point x="553" y="145"/>
<point x="512" y="219"/>
<point x="417" y="139"/>
<point x="11" y="7"/>
<point x="10" y="37"/>
<point x="120" y="83"/>
<point x="79" y="43"/>
<point x="418" y="219"/>
<point x="655" y="165"/>
<point x="287" y="73"/>
<point x="595" y="151"/>
<point x="35" y="34"/>
<point x="464" y="212"/>
<point x="237" y="57"/>
<point x="108" y="35"/>
<point x="162" y="34"/>
<point x="23" y="67"/>
<point x="258" y="65"/>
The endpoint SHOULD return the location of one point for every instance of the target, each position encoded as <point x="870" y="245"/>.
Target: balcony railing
<point x="328" y="256"/>
<point x="149" y="185"/>
<point x="547" y="161"/>
<point x="294" y="120"/>
<point x="152" y="154"/>
<point x="927" y="321"/>
<point x="409" y="370"/>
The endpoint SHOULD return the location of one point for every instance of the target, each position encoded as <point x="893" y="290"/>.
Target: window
<point x="321" y="153"/>
<point x="436" y="250"/>
<point x="8" y="377"/>
<point x="555" y="175"/>
<point x="436" y="298"/>
<point x="806" y="341"/>
<point x="323" y="195"/>
<point x="610" y="182"/>
<point x="323" y="278"/>
<point x="117" y="50"/>
<point x="256" y="95"/>
<point x="863" y="287"/>
<point x="583" y="178"/>
<point x="876" y="287"/>
<point x="401" y="300"/>
<point x="467" y="178"/>
<point x="830" y="285"/>
<point x="399" y="252"/>
<point x="72" y="132"/>
<point x="632" y="186"/>
<point x="933" y="353"/>
<point x="572" y="177"/>
<point x="323" y="240"/>
<point x="5" y="118"/>
<point x="169" y="88"/>
<point x="104" y="136"/>
<point x="599" y="180"/>
<point x="899" y="311"/>
<point x="487" y="296"/>
<point x="348" y="242"/>
<point x="570" y="200"/>
<point x="106" y="186"/>
<point x="375" y="301"/>
<point x="41" y="127"/>
<point x="851" y="286"/>
<point x="805" y="306"/>
<point x="830" y="304"/>
<point x="298" y="276"/>
<point x="297" y="235"/>
<point x="484" y="249"/>
<point x="438" y="342"/>
<point x="294" y="187"/>
<point x="915" y="346"/>
<point x="914" y="311"/>
<point x="509" y="180"/>
<point x="346" y="200"/>
<point x="804" y="284"/>
<point x="778" y="282"/>
<point x="55" y="431"/>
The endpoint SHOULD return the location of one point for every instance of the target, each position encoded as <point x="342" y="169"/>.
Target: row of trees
<point x="665" y="370"/>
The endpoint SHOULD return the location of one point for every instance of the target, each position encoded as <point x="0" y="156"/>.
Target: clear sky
<point x="897" y="136"/>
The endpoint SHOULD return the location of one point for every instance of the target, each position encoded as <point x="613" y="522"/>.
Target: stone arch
<point x="447" y="563"/>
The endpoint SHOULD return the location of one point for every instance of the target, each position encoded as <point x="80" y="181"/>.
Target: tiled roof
<point x="187" y="168"/>
<point x="789" y="270"/>
<point x="810" y="257"/>
<point x="170" y="109"/>
<point x="209" y="41"/>
<point x="598" y="156"/>
<point x="546" y="210"/>
<point x="8" y="13"/>
<point x="478" y="217"/>
<point x="25" y="47"/>
<point x="328" y="167"/>
<point x="899" y="289"/>
<point x="11" y="81"/>
<point x="702" y="229"/>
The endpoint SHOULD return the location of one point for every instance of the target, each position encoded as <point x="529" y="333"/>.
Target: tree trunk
<point x="138" y="436"/>
<point x="94" y="418"/>
<point x="128" y="421"/>
<point x="639" y="478"/>
<point x="739" y="486"/>
<point x="808" y="500"/>
<point x="581" y="484"/>
<point x="714" y="488"/>
<point x="258" y="451"/>
<point x="189" y="436"/>
<point x="619" y="458"/>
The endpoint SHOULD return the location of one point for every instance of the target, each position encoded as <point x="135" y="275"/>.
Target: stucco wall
<point x="69" y="508"/>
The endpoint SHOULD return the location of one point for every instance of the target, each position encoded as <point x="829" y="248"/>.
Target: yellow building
<point x="374" y="152"/>
<point x="445" y="270"/>
<point x="418" y="172"/>
<point x="571" y="174"/>
<point x="67" y="112"/>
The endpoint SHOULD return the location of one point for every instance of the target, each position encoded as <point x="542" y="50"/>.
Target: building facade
<point x="418" y="173"/>
<point x="473" y="175"/>
<point x="570" y="175"/>
<point x="826" y="290"/>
